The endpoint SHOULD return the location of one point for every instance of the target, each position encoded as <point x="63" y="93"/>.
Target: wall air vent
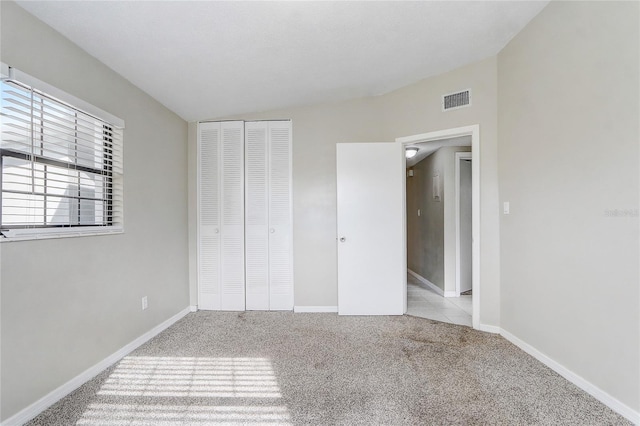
<point x="456" y="100"/>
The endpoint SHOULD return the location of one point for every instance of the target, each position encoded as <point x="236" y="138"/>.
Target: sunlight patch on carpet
<point x="162" y="380"/>
<point x="193" y="377"/>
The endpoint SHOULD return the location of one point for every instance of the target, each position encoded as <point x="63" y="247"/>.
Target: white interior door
<point x="371" y="224"/>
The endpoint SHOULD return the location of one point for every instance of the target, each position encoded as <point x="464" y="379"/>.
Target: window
<point x="61" y="166"/>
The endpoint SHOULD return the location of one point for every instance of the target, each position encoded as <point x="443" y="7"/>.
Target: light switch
<point x="418" y="212"/>
<point x="505" y="207"/>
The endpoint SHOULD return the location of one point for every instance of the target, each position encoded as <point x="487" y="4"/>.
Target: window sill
<point x="49" y="233"/>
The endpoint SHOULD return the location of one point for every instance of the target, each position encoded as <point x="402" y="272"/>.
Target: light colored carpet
<point x="274" y="368"/>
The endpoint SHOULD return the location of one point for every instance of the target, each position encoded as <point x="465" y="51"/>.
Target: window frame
<point x="113" y="176"/>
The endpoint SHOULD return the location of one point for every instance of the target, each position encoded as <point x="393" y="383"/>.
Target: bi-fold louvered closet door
<point x="245" y="261"/>
<point x="221" y="216"/>
<point x="268" y="215"/>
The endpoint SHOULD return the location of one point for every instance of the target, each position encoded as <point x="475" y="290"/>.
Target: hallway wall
<point x="432" y="234"/>
<point x="466" y="238"/>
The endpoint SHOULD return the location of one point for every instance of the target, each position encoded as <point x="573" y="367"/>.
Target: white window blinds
<point x="61" y="167"/>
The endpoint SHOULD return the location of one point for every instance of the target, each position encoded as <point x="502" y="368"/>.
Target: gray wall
<point x="411" y="110"/>
<point x="466" y="236"/>
<point x="425" y="233"/>
<point x="416" y="109"/>
<point x="316" y="130"/>
<point x="69" y="303"/>
<point x="569" y="132"/>
<point x="426" y="239"/>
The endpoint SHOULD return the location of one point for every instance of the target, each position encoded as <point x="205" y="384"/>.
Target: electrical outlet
<point x="144" y="303"/>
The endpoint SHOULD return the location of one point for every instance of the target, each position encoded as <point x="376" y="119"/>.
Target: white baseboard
<point x="583" y="384"/>
<point x="450" y="294"/>
<point x="193" y="308"/>
<point x="54" y="396"/>
<point x="431" y="285"/>
<point x="489" y="328"/>
<point x="331" y="309"/>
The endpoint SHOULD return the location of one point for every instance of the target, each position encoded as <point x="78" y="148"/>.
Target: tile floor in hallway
<point x="424" y="302"/>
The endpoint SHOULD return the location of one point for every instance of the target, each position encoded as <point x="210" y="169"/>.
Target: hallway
<point x="426" y="303"/>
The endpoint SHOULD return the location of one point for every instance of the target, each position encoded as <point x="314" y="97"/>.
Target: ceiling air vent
<point x="456" y="100"/>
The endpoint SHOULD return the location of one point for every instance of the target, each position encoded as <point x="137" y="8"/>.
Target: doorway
<point x="473" y="133"/>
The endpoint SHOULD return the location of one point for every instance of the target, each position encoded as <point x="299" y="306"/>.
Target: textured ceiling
<point x="212" y="59"/>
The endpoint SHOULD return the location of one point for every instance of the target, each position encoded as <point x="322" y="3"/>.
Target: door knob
<point x="272" y="230"/>
<point x="217" y="230"/>
<point x="343" y="239"/>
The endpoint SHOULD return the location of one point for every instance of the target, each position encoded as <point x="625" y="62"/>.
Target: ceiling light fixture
<point x="411" y="152"/>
